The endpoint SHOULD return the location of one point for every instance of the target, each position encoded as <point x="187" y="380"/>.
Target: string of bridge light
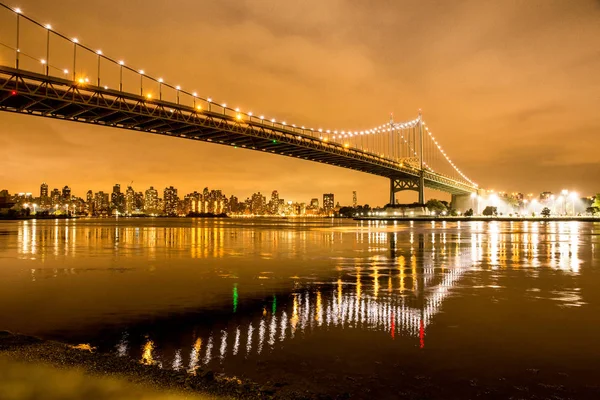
<point x="378" y="129"/>
<point x="446" y="156"/>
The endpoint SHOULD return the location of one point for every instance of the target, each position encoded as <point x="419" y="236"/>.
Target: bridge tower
<point x="399" y="184"/>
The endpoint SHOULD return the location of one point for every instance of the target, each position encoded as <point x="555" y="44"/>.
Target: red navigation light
<point x="14" y="92"/>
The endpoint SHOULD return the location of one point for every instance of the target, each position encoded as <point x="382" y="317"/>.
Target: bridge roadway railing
<point x="49" y="96"/>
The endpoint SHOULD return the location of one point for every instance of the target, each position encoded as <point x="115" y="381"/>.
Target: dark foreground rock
<point x="27" y="349"/>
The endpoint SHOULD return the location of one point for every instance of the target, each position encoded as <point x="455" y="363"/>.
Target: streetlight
<point x="121" y="63"/>
<point x="48" y="29"/>
<point x="99" y="52"/>
<point x="141" y="82"/>
<point x="75" y="41"/>
<point x="573" y="196"/>
<point x="18" y="12"/>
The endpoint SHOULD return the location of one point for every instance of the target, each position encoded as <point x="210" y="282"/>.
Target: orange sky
<point x="511" y="90"/>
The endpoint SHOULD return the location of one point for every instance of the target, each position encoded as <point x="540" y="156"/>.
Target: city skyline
<point x="169" y="201"/>
<point x="503" y="102"/>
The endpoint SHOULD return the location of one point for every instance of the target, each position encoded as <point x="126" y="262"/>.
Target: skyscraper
<point x="56" y="197"/>
<point x="101" y="203"/>
<point x="274" y="202"/>
<point x="89" y="200"/>
<point x="328" y="202"/>
<point x="129" y="200"/>
<point x="139" y="201"/>
<point x="66" y="194"/>
<point x="258" y="204"/>
<point x="171" y="200"/>
<point x="314" y="203"/>
<point x="44" y="190"/>
<point x="117" y="199"/>
<point x="44" y="199"/>
<point x="151" y="201"/>
<point x="354" y="199"/>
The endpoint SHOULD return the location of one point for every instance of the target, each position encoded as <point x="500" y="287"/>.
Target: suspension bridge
<point x="46" y="73"/>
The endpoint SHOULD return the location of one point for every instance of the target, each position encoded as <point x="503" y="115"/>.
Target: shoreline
<point x="480" y="219"/>
<point x="47" y="361"/>
<point x="29" y="350"/>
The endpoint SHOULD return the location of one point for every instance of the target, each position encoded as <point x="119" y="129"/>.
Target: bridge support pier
<point x="462" y="202"/>
<point x="406" y="183"/>
<point x="422" y="187"/>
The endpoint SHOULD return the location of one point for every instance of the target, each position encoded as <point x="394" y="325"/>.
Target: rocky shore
<point x="85" y="373"/>
<point x="19" y="350"/>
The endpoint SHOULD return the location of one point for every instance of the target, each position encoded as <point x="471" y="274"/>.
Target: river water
<point x="367" y="309"/>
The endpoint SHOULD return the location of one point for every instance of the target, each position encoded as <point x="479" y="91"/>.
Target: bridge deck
<point x="36" y="94"/>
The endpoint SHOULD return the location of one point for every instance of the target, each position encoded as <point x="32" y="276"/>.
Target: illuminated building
<point x="44" y="190"/>
<point x="45" y="202"/>
<point x="56" y="197"/>
<point x="66" y="194"/>
<point x="101" y="203"/>
<point x="139" y="201"/>
<point x="89" y="202"/>
<point x="170" y="200"/>
<point x="258" y="204"/>
<point x="151" y="201"/>
<point x="117" y="199"/>
<point x="328" y="202"/>
<point x="354" y="199"/>
<point x="545" y="197"/>
<point x="314" y="203"/>
<point x="274" y="204"/>
<point x="233" y="206"/>
<point x="129" y="200"/>
<point x="191" y="203"/>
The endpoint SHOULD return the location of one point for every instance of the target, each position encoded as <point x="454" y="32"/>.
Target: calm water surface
<point x="317" y="304"/>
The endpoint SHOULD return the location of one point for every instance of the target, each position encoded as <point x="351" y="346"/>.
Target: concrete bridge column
<point x="462" y="202"/>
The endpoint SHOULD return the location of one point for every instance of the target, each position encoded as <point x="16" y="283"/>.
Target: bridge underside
<point x="41" y="95"/>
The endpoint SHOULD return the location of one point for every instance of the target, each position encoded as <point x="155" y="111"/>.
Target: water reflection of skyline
<point x="493" y="244"/>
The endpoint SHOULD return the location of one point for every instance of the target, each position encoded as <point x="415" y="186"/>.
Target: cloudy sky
<point x="511" y="89"/>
